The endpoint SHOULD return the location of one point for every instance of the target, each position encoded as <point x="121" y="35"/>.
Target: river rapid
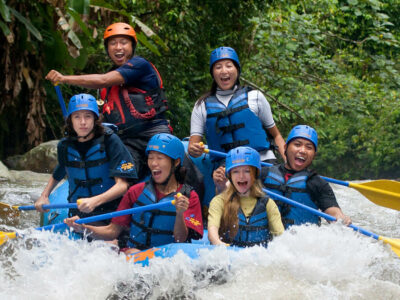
<point x="308" y="262"/>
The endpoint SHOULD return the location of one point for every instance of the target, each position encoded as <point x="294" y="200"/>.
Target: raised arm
<point x="279" y="141"/>
<point x="91" y="81"/>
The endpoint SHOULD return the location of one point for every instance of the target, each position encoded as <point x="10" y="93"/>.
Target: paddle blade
<point x="382" y="192"/>
<point x="5" y="236"/>
<point x="9" y="213"/>
<point x="394" y="243"/>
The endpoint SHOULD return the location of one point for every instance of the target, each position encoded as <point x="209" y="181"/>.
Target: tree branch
<point x="271" y="97"/>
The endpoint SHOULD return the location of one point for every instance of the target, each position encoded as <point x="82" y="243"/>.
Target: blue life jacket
<point x="296" y="189"/>
<point x="153" y="228"/>
<point x="132" y="108"/>
<point x="89" y="175"/>
<point x="254" y="229"/>
<point x="235" y="125"/>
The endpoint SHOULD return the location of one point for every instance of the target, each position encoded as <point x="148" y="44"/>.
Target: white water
<point x="329" y="262"/>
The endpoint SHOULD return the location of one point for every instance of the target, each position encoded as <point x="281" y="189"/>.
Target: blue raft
<point x="170" y="250"/>
<point x="59" y="196"/>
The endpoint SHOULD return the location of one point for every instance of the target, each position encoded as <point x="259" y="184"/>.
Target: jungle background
<point x="332" y="64"/>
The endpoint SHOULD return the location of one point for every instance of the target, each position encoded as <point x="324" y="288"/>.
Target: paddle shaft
<point x="49" y="206"/>
<point x="61" y="101"/>
<point x="114" y="214"/>
<point x="317" y="212"/>
<point x="332" y="180"/>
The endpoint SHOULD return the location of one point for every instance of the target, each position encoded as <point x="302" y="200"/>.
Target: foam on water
<point x="308" y="262"/>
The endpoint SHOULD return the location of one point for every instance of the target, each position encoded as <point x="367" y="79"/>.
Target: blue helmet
<point x="167" y="144"/>
<point x="224" y="53"/>
<point x="242" y="156"/>
<point x="83" y="102"/>
<point x="305" y="132"/>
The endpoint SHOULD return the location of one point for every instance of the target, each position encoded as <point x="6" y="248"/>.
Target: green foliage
<point x="334" y="63"/>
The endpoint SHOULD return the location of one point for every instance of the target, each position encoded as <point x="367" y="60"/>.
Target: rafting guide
<point x="132" y="93"/>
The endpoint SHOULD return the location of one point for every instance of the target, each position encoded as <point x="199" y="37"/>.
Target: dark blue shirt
<point x="139" y="73"/>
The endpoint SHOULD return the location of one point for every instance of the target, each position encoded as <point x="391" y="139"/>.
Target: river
<point x="308" y="262"/>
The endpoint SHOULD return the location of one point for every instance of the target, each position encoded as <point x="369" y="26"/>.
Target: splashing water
<point x="306" y="262"/>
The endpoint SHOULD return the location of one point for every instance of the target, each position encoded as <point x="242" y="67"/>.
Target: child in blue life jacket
<point x="242" y="214"/>
<point x="96" y="162"/>
<point x="296" y="181"/>
<point x="181" y="223"/>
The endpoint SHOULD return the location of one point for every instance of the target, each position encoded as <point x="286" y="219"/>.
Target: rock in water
<point x="41" y="159"/>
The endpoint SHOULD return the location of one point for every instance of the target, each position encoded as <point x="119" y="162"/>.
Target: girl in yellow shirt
<point x="242" y="215"/>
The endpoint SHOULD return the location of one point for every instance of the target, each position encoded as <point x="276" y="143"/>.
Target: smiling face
<point x="300" y="154"/>
<point x="225" y="74"/>
<point x="83" y="124"/>
<point x="242" y="178"/>
<point x="120" y="49"/>
<point x="160" y="166"/>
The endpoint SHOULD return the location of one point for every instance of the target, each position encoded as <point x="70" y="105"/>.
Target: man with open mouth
<point x="296" y="181"/>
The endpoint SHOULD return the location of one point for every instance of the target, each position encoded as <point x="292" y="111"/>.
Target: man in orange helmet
<point x="132" y="92"/>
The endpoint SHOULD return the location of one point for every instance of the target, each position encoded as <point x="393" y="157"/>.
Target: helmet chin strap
<point x="172" y="171"/>
<point x="85" y="136"/>
<point x="287" y="161"/>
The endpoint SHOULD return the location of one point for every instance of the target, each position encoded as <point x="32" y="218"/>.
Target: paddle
<point x="381" y="192"/>
<point x="13" y="210"/>
<point x="394" y="243"/>
<point x="4" y="236"/>
<point x="5" y="206"/>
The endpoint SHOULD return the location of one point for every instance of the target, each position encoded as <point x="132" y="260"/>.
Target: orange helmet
<point x="119" y="29"/>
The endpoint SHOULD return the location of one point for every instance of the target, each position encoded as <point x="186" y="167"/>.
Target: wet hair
<point x="98" y="128"/>
<point x="230" y="221"/>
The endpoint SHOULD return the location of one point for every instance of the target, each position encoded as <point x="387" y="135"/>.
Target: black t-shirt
<point x="319" y="190"/>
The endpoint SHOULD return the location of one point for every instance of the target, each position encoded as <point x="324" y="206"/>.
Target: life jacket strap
<point x="230" y="128"/>
<point x="86" y="164"/>
<point x="87" y="183"/>
<point x="152" y="230"/>
<point x="227" y="112"/>
<point x="229" y="146"/>
<point x="252" y="228"/>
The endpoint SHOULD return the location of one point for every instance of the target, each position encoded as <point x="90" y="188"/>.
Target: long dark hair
<point x="98" y="129"/>
<point x="214" y="86"/>
<point x="180" y="173"/>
